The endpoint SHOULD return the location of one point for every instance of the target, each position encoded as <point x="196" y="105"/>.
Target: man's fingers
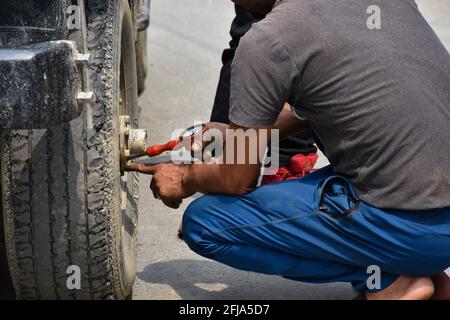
<point x="145" y="168"/>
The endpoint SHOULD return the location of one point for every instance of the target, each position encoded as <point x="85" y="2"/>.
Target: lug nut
<point x="137" y="141"/>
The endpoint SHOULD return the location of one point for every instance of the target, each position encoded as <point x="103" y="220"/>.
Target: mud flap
<point x="39" y="85"/>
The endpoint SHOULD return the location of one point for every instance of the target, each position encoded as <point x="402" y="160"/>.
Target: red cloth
<point x="299" y="166"/>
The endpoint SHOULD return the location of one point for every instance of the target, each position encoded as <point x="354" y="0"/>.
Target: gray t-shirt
<point x="378" y="100"/>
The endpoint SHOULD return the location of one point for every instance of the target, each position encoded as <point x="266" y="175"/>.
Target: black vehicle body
<point x="42" y="53"/>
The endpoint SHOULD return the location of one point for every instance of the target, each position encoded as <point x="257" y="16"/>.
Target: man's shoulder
<point x="293" y="24"/>
<point x="289" y="14"/>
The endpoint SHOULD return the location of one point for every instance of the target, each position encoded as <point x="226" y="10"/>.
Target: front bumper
<point x="39" y="85"/>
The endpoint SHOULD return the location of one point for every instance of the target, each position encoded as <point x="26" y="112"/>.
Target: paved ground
<point x="185" y="43"/>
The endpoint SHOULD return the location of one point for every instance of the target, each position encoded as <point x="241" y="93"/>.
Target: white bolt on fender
<point x="85" y="97"/>
<point x="82" y="58"/>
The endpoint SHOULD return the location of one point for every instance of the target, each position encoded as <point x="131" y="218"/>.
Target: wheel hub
<point x="132" y="142"/>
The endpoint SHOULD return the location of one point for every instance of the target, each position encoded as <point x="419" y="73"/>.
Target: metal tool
<point x="133" y="142"/>
<point x="157" y="149"/>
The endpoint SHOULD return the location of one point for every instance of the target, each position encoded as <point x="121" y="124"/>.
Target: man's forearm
<point x="238" y="169"/>
<point x="221" y="178"/>
<point x="262" y="7"/>
<point x="233" y="179"/>
<point x="237" y="179"/>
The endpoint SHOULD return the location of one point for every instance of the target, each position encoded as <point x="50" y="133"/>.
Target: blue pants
<point x="316" y="230"/>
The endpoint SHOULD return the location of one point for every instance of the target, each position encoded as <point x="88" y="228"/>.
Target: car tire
<point x="141" y="59"/>
<point x="67" y="209"/>
<point x="6" y="287"/>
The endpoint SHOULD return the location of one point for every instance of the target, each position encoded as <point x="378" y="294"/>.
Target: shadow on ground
<point x="208" y="280"/>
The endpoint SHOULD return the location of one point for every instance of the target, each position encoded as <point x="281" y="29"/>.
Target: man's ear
<point x="262" y="7"/>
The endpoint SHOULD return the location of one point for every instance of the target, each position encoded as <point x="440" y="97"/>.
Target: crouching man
<point x="379" y="102"/>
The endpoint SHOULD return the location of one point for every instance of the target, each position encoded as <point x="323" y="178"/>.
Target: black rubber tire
<point x="141" y="60"/>
<point x="65" y="202"/>
<point x="6" y="287"/>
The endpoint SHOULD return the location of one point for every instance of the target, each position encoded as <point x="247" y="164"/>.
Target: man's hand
<point x="167" y="182"/>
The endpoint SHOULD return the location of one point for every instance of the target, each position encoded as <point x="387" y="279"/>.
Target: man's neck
<point x="257" y="6"/>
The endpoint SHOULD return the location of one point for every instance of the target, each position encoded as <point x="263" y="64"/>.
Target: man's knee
<point x="197" y="225"/>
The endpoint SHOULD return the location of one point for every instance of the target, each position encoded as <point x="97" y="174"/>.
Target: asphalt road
<point x="186" y="39"/>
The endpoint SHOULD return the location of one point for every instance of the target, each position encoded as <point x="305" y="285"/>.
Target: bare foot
<point x="441" y="283"/>
<point x="405" y="288"/>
